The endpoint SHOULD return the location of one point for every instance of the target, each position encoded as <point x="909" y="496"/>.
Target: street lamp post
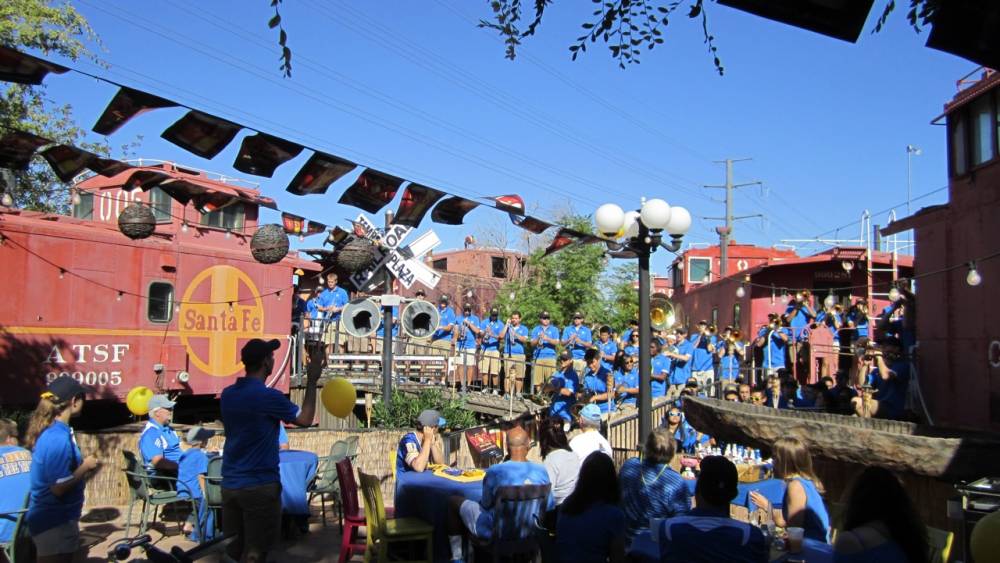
<point x="641" y="233"/>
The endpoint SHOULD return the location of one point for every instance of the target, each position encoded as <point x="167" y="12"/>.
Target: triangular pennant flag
<point x="107" y="167"/>
<point x="201" y="134"/>
<point x="68" y="161"/>
<point x="260" y="154"/>
<point x="17" y="148"/>
<point x="372" y="191"/>
<point x="312" y="228"/>
<point x="318" y="173"/>
<point x="567" y="237"/>
<point x="293" y="224"/>
<point x="22" y="68"/>
<point x="337" y="236"/>
<point x="144" y="180"/>
<point x="127" y="104"/>
<point x="512" y="203"/>
<point x="452" y="211"/>
<point x="213" y="201"/>
<point x="529" y="223"/>
<point x="416" y="202"/>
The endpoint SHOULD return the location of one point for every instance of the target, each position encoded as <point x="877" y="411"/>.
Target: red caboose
<point x="169" y="312"/>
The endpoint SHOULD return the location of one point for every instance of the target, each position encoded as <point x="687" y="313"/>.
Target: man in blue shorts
<point x="418" y="449"/>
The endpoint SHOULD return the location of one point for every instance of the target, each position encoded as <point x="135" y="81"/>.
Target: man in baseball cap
<point x="159" y="444"/>
<point x="418" y="449"/>
<point x="589" y="440"/>
<point x="544" y="339"/>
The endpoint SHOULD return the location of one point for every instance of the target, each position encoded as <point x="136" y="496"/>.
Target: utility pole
<point x="726" y="231"/>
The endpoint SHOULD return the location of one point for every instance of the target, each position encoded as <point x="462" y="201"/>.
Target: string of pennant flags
<point x="260" y="154"/>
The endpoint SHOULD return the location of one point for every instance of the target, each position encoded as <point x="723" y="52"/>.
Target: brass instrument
<point x="661" y="312"/>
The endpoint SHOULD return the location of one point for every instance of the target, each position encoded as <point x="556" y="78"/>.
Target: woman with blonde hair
<point x="802" y="506"/>
<point x="58" y="472"/>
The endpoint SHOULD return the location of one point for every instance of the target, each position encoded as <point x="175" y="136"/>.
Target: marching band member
<point x="730" y="351"/>
<point x="578" y="339"/>
<point x="563" y="387"/>
<point x="331" y="302"/>
<point x="441" y="344"/>
<point x="774" y="339"/>
<point x="467" y="330"/>
<point x="515" y="336"/>
<point x="599" y="381"/>
<point x="489" y="363"/>
<point x="627" y="382"/>
<point x="660" y="369"/>
<point x="544" y="339"/>
<point x="680" y="351"/>
<point x="607" y="347"/>
<point x="632" y="344"/>
<point x="701" y="361"/>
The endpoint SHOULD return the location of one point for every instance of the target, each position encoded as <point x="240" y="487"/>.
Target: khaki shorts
<point x="421" y="347"/>
<point x="254" y="515"/>
<point x="440" y="348"/>
<point x="514" y="367"/>
<point x="542" y="371"/>
<point x="490" y="362"/>
<point x="64" y="538"/>
<point x="332" y="335"/>
<point x="465" y="357"/>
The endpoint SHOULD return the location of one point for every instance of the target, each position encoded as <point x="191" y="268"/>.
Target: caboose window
<point x="958" y="152"/>
<point x="161" y="302"/>
<point x="699" y="270"/>
<point x="229" y="217"/>
<point x="160" y="201"/>
<point x="84" y="209"/>
<point x="981" y="114"/>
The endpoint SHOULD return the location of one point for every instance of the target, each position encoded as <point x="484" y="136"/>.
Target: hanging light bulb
<point x="230" y="306"/>
<point x="741" y="292"/>
<point x="120" y="294"/>
<point x="184" y="227"/>
<point x="229" y="233"/>
<point x="469" y="294"/>
<point x="74" y="196"/>
<point x="177" y="308"/>
<point x="558" y="285"/>
<point x="512" y="295"/>
<point x="973" y="278"/>
<point x="7" y="200"/>
<point x="62" y="273"/>
<point x="279" y="296"/>
<point x="302" y="237"/>
<point x="830" y="300"/>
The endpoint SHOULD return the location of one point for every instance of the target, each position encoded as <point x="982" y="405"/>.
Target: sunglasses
<point x="675" y="414"/>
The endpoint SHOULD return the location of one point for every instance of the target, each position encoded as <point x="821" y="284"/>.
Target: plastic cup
<point x="795" y="536"/>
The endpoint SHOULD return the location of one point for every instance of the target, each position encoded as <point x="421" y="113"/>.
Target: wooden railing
<point x="622" y="430"/>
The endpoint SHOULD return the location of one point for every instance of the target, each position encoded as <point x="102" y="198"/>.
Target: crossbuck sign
<point x="403" y="262"/>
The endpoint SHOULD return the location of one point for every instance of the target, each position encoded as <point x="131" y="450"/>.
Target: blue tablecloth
<point x="773" y="489"/>
<point x="297" y="470"/>
<point x="425" y="495"/>
<point x="645" y="550"/>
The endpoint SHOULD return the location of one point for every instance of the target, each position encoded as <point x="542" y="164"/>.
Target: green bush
<point x="406" y="408"/>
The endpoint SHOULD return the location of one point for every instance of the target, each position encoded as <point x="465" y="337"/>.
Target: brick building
<point x="481" y="271"/>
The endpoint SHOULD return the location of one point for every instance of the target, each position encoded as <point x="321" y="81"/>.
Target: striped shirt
<point x="651" y="491"/>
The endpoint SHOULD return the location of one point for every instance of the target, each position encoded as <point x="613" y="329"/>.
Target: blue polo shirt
<point x="469" y="342"/>
<point x="380" y="331"/>
<point x="194" y="462"/>
<point x="55" y="457"/>
<point x="611" y="348"/>
<point x="701" y="360"/>
<point x="630" y="380"/>
<point x="660" y="364"/>
<point x="251" y="415"/>
<point x="158" y="440"/>
<point x="494" y="327"/>
<point x="508" y="474"/>
<point x="598" y="384"/>
<point x="860" y="324"/>
<point x="336" y="297"/>
<point x="681" y="371"/>
<point x="774" y="347"/>
<point x="583" y="336"/>
<point x="447" y="317"/>
<point x="706" y="535"/>
<point x="891" y="393"/>
<point x="801" y="321"/>
<point x="631" y="350"/>
<point x="729" y="365"/>
<point x="15" y="482"/>
<point x="512" y="345"/>
<point x="561" y="404"/>
<point x="545" y="350"/>
<point x="830" y="320"/>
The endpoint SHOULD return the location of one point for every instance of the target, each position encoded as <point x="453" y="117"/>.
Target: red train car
<point x="169" y="312"/>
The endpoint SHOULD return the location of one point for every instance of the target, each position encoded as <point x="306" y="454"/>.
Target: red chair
<point x="354" y="516"/>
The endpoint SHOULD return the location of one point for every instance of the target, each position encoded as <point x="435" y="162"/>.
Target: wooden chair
<point x="141" y="490"/>
<point x="354" y="516"/>
<point x="20" y="547"/>
<point x="382" y="532"/>
<point x="517" y="514"/>
<point x="939" y="545"/>
<point x="325" y="483"/>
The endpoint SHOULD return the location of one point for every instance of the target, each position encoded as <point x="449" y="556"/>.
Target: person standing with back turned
<point x="251" y="484"/>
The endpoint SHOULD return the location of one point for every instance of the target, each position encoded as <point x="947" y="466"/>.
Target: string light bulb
<point x="830" y="300"/>
<point x="320" y="280"/>
<point x="973" y="278"/>
<point x="302" y="238"/>
<point x="229" y="234"/>
<point x="120" y="294"/>
<point x="7" y="200"/>
<point x="74" y="196"/>
<point x="512" y="295"/>
<point x="469" y="294"/>
<point x="230" y="306"/>
<point x="894" y="294"/>
<point x="62" y="273"/>
<point x="184" y="227"/>
<point x="558" y="285"/>
<point x="741" y="292"/>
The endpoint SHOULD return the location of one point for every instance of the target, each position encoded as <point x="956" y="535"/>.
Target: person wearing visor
<point x="159" y="444"/>
<point x="419" y="449"/>
<point x="59" y="472"/>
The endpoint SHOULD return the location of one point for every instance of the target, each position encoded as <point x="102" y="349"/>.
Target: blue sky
<point x="417" y="90"/>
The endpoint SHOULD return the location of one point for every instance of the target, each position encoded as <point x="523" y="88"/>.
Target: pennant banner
<point x="201" y="134"/>
<point x="17" y="148"/>
<point x="293" y="224"/>
<point x="319" y="172"/>
<point x="312" y="228"/>
<point x="22" y="68"/>
<point x="417" y="201"/>
<point x="67" y="161"/>
<point x="452" y="211"/>
<point x="127" y="104"/>
<point x="337" y="236"/>
<point x="568" y="237"/>
<point x="107" y="166"/>
<point x="261" y="154"/>
<point x="372" y="191"/>
<point x="512" y="203"/>
<point x="530" y="224"/>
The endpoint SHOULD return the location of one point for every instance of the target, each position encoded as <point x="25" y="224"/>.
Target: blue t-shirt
<point x="584" y="338"/>
<point x="468" y="340"/>
<point x="491" y="327"/>
<point x="729" y="364"/>
<point x="708" y="536"/>
<point x="598" y="384"/>
<point x="251" y="415"/>
<point x="336" y="297"/>
<point x="157" y="440"/>
<point x="816" y="521"/>
<point x="55" y="458"/>
<point x="801" y="321"/>
<point x="607" y="348"/>
<point x="774" y="347"/>
<point x="701" y="359"/>
<point x="507" y="474"/>
<point x="660" y="365"/>
<point x="194" y="462"/>
<point x="545" y="350"/>
<point x="681" y="370"/>
<point x="587" y="537"/>
<point x="447" y="319"/>
<point x="561" y="404"/>
<point x="408" y="444"/>
<point x="830" y="320"/>
<point x="312" y="308"/>
<point x="630" y="380"/>
<point x="513" y="345"/>
<point x="651" y="491"/>
<point x="891" y="393"/>
<point x="15" y="482"/>
<point x="631" y="351"/>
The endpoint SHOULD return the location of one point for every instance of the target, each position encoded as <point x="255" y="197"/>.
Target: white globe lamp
<point x="631" y="228"/>
<point x="609" y="219"/>
<point x="680" y="221"/>
<point x="655" y="214"/>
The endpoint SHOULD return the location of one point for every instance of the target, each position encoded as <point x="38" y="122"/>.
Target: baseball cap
<point x="544" y="315"/>
<point x="420" y="293"/>
<point x="565" y="355"/>
<point x="494" y="311"/>
<point x="730" y="390"/>
<point x="443" y="299"/>
<point x="254" y="352"/>
<point x="578" y="315"/>
<point x="717" y="481"/>
<point x="199" y="434"/>
<point x="592" y="413"/>
<point x="65" y="388"/>
<point x="431" y="417"/>
<point x="160" y="402"/>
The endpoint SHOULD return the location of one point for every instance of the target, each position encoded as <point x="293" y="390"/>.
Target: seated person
<point x="627" y="382"/>
<point x="562" y="387"/>
<point x="650" y="487"/>
<point x="418" y="449"/>
<point x="591" y="526"/>
<point x="881" y="524"/>
<point x="589" y="439"/>
<point x="476" y="518"/>
<point x="707" y="534"/>
<point x="191" y="471"/>
<point x="159" y="444"/>
<point x="559" y="460"/>
<point x="15" y="477"/>
<point x="282" y="437"/>
<point x="731" y="393"/>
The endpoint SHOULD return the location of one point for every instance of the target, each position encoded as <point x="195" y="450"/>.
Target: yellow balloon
<point x="338" y="397"/>
<point x="137" y="400"/>
<point x="985" y="540"/>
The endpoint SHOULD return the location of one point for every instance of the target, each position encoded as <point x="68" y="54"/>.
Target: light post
<point x="641" y="233"/>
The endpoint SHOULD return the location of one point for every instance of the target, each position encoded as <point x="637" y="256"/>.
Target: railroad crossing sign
<point x="403" y="262"/>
